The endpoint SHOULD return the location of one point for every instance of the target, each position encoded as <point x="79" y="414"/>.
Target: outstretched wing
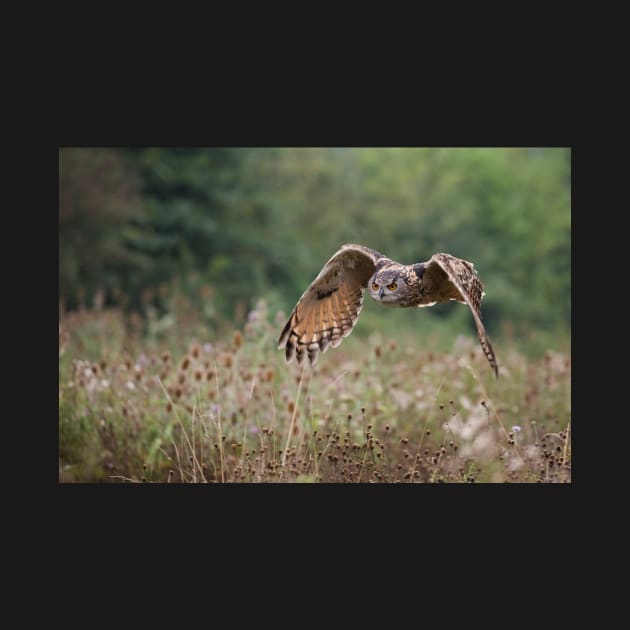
<point x="328" y="309"/>
<point x="460" y="275"/>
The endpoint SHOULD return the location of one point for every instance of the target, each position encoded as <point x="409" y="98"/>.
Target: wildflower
<point x="129" y="385"/>
<point x="516" y="428"/>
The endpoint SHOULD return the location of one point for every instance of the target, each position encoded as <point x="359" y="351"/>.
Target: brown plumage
<point x="330" y="306"/>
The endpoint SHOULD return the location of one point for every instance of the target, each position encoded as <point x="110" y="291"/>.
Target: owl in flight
<point x="330" y="306"/>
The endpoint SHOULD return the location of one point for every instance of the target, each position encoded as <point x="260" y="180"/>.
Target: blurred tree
<point x="98" y="198"/>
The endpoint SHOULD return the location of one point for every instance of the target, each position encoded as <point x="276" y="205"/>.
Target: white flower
<point x="130" y="385"/>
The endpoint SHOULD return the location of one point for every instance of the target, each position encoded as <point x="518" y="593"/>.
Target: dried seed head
<point x="195" y="351"/>
<point x="166" y="357"/>
<point x="198" y="375"/>
<point x="185" y="363"/>
<point x="237" y="339"/>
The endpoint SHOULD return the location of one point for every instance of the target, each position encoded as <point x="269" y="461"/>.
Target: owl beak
<point x="381" y="293"/>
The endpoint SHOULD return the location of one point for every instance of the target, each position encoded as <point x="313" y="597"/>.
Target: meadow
<point x="161" y="400"/>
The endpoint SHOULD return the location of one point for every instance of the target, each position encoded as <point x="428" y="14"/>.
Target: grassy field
<point x="140" y="402"/>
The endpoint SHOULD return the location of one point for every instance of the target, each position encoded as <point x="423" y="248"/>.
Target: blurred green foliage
<point x="227" y="226"/>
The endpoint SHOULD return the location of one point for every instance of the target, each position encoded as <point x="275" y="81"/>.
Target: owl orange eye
<point x="392" y="286"/>
<point x="374" y="286"/>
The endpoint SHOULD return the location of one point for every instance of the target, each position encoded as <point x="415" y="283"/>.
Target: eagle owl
<point x="330" y="306"/>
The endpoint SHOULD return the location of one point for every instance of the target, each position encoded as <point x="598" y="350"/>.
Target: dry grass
<point x="149" y="409"/>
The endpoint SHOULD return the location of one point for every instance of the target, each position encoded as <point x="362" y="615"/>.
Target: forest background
<point x="211" y="231"/>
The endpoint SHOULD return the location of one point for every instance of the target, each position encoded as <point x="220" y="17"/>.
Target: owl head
<point x="387" y="286"/>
